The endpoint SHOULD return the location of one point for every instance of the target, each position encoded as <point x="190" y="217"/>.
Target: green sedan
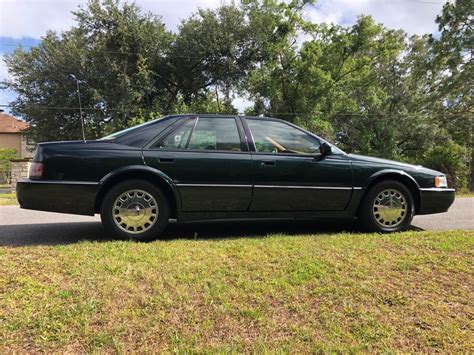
<point x="206" y="167"/>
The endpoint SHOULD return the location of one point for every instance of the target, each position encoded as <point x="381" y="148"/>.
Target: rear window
<point x="123" y="132"/>
<point x="138" y="136"/>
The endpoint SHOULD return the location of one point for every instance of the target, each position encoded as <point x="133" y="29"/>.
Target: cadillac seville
<point x="205" y="167"/>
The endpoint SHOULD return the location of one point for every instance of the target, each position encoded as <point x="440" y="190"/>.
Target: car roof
<point x="218" y="115"/>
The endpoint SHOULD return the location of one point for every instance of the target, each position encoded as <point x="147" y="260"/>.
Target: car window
<point x="277" y="137"/>
<point x="208" y="134"/>
<point x="215" y="134"/>
<point x="126" y="131"/>
<point x="178" y="139"/>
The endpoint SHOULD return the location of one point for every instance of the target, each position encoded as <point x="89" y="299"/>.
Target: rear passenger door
<point x="209" y="161"/>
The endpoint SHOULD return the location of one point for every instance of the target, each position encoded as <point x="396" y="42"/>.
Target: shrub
<point x="451" y="159"/>
<point x="6" y="154"/>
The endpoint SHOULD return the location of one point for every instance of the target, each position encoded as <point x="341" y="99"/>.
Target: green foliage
<point x="6" y="154"/>
<point x="129" y="66"/>
<point x="109" y="52"/>
<point x="208" y="103"/>
<point x="366" y="80"/>
<point x="452" y="159"/>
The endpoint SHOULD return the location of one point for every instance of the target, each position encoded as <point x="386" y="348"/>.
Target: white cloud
<point x="32" y="18"/>
<point x="414" y="16"/>
<point x="3" y="69"/>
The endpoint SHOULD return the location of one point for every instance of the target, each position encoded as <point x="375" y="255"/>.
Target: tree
<point x="358" y="79"/>
<point x="213" y="50"/>
<point x="454" y="53"/>
<point x="111" y="51"/>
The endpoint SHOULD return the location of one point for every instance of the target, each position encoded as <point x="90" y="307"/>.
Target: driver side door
<point x="288" y="172"/>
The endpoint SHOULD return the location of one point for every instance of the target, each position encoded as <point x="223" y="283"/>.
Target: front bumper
<point x="436" y="200"/>
<point x="75" y="197"/>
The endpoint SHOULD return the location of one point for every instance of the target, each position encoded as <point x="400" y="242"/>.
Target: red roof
<point x="9" y="124"/>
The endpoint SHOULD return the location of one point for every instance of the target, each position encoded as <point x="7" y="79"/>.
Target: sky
<point x="26" y="21"/>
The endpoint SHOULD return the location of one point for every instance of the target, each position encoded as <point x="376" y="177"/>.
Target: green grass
<point x="405" y="292"/>
<point x="465" y="194"/>
<point x="8" y="199"/>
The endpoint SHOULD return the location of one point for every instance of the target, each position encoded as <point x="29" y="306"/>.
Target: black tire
<point x="371" y="217"/>
<point x="148" y="232"/>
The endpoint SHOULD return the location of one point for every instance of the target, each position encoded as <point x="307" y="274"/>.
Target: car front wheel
<point x="135" y="210"/>
<point x="387" y="207"/>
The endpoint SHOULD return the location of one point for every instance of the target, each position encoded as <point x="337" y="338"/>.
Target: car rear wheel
<point x="135" y="210"/>
<point x="387" y="207"/>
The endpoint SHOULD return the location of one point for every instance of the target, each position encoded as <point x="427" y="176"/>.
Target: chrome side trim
<point x="438" y="189"/>
<point x="304" y="187"/>
<point x="58" y="182"/>
<point x="211" y="185"/>
<point x="274" y="186"/>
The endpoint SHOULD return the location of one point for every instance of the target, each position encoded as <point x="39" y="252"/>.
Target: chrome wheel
<point x="135" y="211"/>
<point x="390" y="208"/>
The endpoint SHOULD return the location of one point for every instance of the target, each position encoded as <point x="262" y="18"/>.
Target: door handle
<point x="267" y="163"/>
<point x="166" y="160"/>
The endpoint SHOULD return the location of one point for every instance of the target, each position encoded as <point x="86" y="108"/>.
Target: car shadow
<point x="70" y="233"/>
<point x="254" y="228"/>
<point x="51" y="233"/>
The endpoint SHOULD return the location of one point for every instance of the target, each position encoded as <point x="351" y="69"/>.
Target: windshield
<point x="125" y="131"/>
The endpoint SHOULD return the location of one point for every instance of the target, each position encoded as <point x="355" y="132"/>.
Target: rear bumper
<point x="75" y="197"/>
<point x="436" y="200"/>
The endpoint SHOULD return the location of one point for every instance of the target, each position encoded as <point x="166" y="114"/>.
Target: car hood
<point x="394" y="164"/>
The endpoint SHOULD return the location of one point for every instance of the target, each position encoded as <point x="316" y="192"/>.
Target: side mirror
<point x="341" y="137"/>
<point x="325" y="149"/>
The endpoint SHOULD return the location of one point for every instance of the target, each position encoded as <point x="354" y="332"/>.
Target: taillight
<point x="36" y="170"/>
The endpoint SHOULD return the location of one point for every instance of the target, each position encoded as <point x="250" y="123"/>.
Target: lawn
<point x="465" y="194"/>
<point x="344" y="292"/>
<point x="8" y="199"/>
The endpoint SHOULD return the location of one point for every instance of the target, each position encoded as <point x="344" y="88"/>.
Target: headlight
<point x="440" y="181"/>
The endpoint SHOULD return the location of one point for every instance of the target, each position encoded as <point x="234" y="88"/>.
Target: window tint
<point x="178" y="138"/>
<point x="138" y="136"/>
<point x="209" y="134"/>
<point x="215" y="134"/>
<point x="276" y="137"/>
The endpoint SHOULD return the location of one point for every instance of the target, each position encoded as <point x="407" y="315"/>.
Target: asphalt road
<point x="25" y="227"/>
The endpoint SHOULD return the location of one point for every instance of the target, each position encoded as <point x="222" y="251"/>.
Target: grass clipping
<point x="403" y="292"/>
